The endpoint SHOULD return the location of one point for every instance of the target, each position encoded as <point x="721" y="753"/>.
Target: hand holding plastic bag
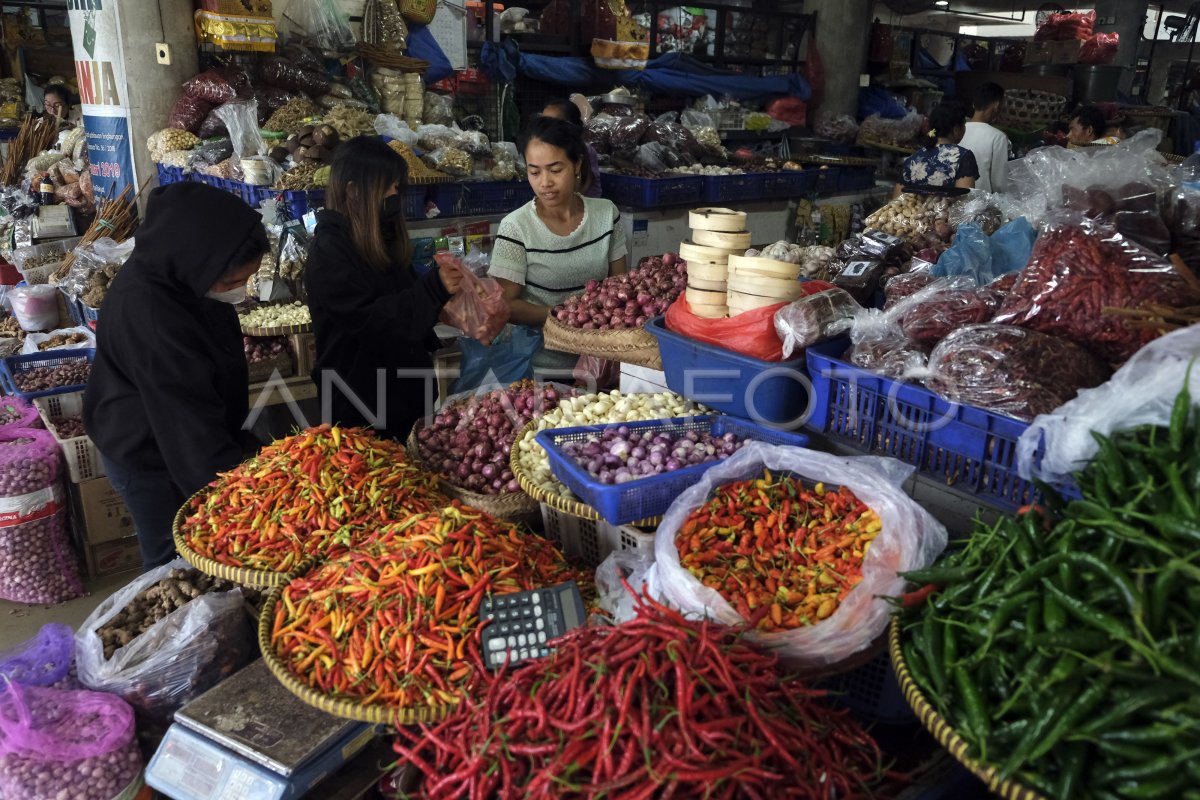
<point x="909" y="539"/>
<point x="479" y="309"/>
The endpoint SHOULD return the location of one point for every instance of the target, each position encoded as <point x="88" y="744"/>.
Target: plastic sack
<point x="176" y="660"/>
<point x="34" y="340"/>
<point x="213" y="126"/>
<point x="392" y="126"/>
<point x="836" y="127"/>
<point x="751" y="333"/>
<point x="985" y="258"/>
<point x="188" y="113"/>
<point x="43" y="660"/>
<point x="1010" y="370"/>
<point x="285" y="74"/>
<point x="1100" y="48"/>
<point x="39" y="565"/>
<point x="241" y="118"/>
<point x="910" y="539"/>
<point x="814" y="319"/>
<point x="630" y="566"/>
<point x="1066" y="27"/>
<point x="479" y="309"/>
<point x="931" y="314"/>
<point x="1141" y="392"/>
<point x="17" y="413"/>
<point x="35" y="307"/>
<point x="791" y="110"/>
<point x="61" y="743"/>
<point x="212" y="86"/>
<point x="508" y="358"/>
<point x="597" y="133"/>
<point x="211" y="153"/>
<point x="103" y="254"/>
<point x="627" y="133"/>
<point x="437" y="137"/>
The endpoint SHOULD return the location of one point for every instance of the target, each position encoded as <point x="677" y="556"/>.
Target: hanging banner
<point x="100" y="71"/>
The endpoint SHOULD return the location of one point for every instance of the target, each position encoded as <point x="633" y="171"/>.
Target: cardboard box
<point x="109" y="558"/>
<point x="100" y="512"/>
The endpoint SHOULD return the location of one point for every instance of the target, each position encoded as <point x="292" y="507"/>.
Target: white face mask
<point x="233" y="296"/>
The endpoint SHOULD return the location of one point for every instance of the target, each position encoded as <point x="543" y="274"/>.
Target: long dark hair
<point x="364" y="170"/>
<point x="944" y="118"/>
<point x="566" y="137"/>
<point x="570" y="111"/>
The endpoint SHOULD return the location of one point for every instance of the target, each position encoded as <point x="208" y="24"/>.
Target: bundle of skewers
<point x="116" y="218"/>
<point x="35" y="135"/>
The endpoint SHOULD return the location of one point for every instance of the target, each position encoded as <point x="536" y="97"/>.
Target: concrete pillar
<point x="1127" y="18"/>
<point x="153" y="87"/>
<point x="842" y="29"/>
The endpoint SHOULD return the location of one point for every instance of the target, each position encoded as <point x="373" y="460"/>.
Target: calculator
<point x="522" y="624"/>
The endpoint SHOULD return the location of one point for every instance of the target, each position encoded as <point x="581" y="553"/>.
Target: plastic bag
<point x="60" y="743"/>
<point x="479" y="309"/>
<point x="986" y="258"/>
<point x="1011" y="370"/>
<point x="508" y="358"/>
<point x="102" y="255"/>
<point x="212" y="86"/>
<point x="17" y="413"/>
<point x="910" y="539"/>
<point x="211" y="153"/>
<point x="1183" y="221"/>
<point x="213" y="126"/>
<point x="814" y="319"/>
<point x="596" y="373"/>
<point x="176" y="660"/>
<point x="627" y="132"/>
<point x="836" y="127"/>
<point x="40" y="566"/>
<point x="241" y="118"/>
<point x="1141" y="392"/>
<point x="321" y="21"/>
<point x="43" y="660"/>
<point x="1100" y="48"/>
<point x="598" y="131"/>
<point x="1066" y="27"/>
<point x="437" y="137"/>
<point x="438" y="109"/>
<point x="188" y="113"/>
<point x="35" y="307"/>
<point x="630" y="566"/>
<point x="932" y="313"/>
<point x="751" y="333"/>
<point x="33" y="340"/>
<point x="280" y="72"/>
<point x="791" y="110"/>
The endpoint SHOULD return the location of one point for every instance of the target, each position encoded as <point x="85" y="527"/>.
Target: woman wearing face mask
<point x="549" y="249"/>
<point x="167" y="397"/>
<point x="373" y="316"/>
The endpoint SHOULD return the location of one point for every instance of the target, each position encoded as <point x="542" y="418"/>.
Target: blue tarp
<point x="672" y="73"/>
<point x="421" y="44"/>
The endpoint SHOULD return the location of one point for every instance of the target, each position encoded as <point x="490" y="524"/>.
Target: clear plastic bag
<point x="438" y="109"/>
<point x="1010" y="370"/>
<point x="35" y="307"/>
<point x="814" y="319"/>
<point x="627" y="133"/>
<point x="837" y="127"/>
<point x="101" y="255"/>
<point x="945" y="305"/>
<point x="396" y="128"/>
<point x="620" y="568"/>
<point x="176" y="660"/>
<point x="43" y="660"/>
<point x="437" y="137"/>
<point x="1141" y="392"/>
<point x="598" y="133"/>
<point x="278" y="71"/>
<point x="322" y="22"/>
<point x="910" y="539"/>
<point x="479" y="310"/>
<point x="188" y="113"/>
<point x="212" y="86"/>
<point x="241" y="118"/>
<point x="33" y="340"/>
<point x="210" y="153"/>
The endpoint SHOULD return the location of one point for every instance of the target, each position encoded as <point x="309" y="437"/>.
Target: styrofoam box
<point x="642" y="379"/>
<point x="589" y="541"/>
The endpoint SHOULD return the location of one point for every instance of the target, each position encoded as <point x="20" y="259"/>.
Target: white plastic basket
<point x="589" y="541"/>
<point x="38" y="275"/>
<point x="80" y="453"/>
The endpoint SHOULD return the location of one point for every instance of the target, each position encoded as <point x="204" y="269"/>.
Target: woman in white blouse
<point x="548" y="249"/>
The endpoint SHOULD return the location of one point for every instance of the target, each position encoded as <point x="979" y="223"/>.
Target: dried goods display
<point x="923" y="221"/>
<point x="39" y="379"/>
<point x="618" y="455"/>
<point x="276" y="316"/>
<point x="64" y="340"/>
<point x="68" y="427"/>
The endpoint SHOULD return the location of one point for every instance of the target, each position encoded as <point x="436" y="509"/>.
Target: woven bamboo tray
<point x="347" y="709"/>
<point x="512" y="506"/>
<point x="891" y="148"/>
<point x="246" y="577"/>
<point x="627" y="345"/>
<point x="946" y="735"/>
<point x="281" y="330"/>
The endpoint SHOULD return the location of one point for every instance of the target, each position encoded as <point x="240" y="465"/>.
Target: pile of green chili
<point x="1064" y="644"/>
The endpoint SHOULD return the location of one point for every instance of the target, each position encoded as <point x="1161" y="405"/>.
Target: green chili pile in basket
<point x="1064" y="644"/>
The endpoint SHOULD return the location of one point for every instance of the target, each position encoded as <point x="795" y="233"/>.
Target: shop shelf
<point x="789" y="183"/>
<point x="16" y="365"/>
<point x="631" y="192"/>
<point x="855" y="178"/>
<point x="646" y="497"/>
<point x="590" y="541"/>
<point x="80" y="453"/>
<point x="479" y="198"/>
<point x="733" y="188"/>
<point x="775" y="393"/>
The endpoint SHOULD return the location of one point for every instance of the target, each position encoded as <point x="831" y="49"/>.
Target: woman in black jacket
<point x="372" y="315"/>
<point x="168" y="394"/>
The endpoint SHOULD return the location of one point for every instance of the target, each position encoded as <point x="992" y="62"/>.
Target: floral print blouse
<point x="940" y="165"/>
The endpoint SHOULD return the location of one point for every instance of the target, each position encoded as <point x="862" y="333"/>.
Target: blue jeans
<point x="153" y="500"/>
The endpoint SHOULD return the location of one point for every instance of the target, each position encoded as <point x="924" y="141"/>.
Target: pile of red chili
<point x="780" y="552"/>
<point x="308" y="494"/>
<point x="394" y="620"/>
<point x="657" y="707"/>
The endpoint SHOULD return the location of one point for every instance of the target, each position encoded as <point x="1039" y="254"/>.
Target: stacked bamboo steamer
<point x="755" y="282"/>
<point x="718" y="234"/>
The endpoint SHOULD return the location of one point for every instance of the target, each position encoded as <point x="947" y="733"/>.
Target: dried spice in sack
<point x="935" y="318"/>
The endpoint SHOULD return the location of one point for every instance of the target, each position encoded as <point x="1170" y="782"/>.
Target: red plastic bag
<point x="751" y="333"/>
<point x="479" y="310"/>
<point x="1065" y="27"/>
<point x="791" y="110"/>
<point x="814" y="68"/>
<point x="1100" y="48"/>
<point x="597" y="374"/>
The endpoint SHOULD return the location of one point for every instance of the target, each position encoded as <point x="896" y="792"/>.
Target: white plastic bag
<point x="393" y="126"/>
<point x="630" y="566"/>
<point x="34" y="339"/>
<point x="35" y="307"/>
<point x="909" y="539"/>
<point x="1141" y="392"/>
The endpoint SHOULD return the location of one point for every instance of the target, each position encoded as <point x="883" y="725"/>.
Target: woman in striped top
<point x="548" y="249"/>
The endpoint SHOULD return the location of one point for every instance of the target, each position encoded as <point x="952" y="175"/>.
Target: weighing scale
<point x="249" y="737"/>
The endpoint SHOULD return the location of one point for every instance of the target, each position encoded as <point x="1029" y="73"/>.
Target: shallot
<point x="619" y="455"/>
<point x="628" y="300"/>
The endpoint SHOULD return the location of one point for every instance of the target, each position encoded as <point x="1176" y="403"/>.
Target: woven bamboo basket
<point x="627" y="345"/>
<point x="280" y="330"/>
<point x="946" y="735"/>
<point x="246" y="577"/>
<point x="347" y="709"/>
<point x="512" y="506"/>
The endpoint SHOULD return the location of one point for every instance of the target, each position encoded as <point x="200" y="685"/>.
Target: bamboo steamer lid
<point x="764" y="287"/>
<point x="691" y="252"/>
<point x="742" y="290"/>
<point x="717" y="219"/>
<point x="739" y="302"/>
<point x="728" y="241"/>
<point x="707" y="272"/>
<point x="701" y="297"/>
<point x="710" y="312"/>
<point x="708" y="286"/>
<point x="764" y="267"/>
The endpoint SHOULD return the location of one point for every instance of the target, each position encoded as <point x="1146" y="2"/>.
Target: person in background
<point x="56" y="101"/>
<point x="943" y="163"/>
<point x="1087" y="127"/>
<point x="989" y="145"/>
<point x="1115" y="131"/>
<point x="373" y="316"/>
<point x="167" y="398"/>
<point x="549" y="248"/>
<point x="566" y="110"/>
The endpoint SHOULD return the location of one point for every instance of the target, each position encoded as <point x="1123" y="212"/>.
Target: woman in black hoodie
<point x="372" y="315"/>
<point x="168" y="395"/>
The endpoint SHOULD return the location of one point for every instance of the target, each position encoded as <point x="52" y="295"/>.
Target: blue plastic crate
<point x="969" y="448"/>
<point x="295" y="203"/>
<point x="774" y="393"/>
<point x="855" y="178"/>
<point x="872" y="691"/>
<point x="479" y="198"/>
<point x="648" y="497"/>
<point x="168" y="175"/>
<point x="16" y="365"/>
<point x="839" y="149"/>
<point x="827" y="181"/>
<point x="89" y="315"/>
<point x="677" y="190"/>
<point x="789" y="183"/>
<point x="731" y="188"/>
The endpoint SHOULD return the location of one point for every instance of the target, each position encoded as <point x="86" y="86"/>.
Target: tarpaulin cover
<point x="421" y="44"/>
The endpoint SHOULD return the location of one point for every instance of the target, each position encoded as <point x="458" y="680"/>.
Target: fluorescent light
<point x="942" y="3"/>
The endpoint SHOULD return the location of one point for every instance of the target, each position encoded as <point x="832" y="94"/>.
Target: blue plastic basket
<point x="789" y="183"/>
<point x="168" y="175"/>
<point x="962" y="446"/>
<point x="827" y="181"/>
<point x="872" y="691"/>
<point x="479" y="198"/>
<point x="838" y="149"/>
<point x="17" y="365"/>
<point x="728" y="188"/>
<point x="774" y="393"/>
<point x="855" y="178"/>
<point x="631" y="192"/>
<point x="648" y="497"/>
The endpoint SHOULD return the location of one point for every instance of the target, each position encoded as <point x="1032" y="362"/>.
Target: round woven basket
<point x="627" y="345"/>
<point x="246" y="577"/>
<point x="281" y="330"/>
<point x="512" y="506"/>
<point x="347" y="709"/>
<point x="946" y="735"/>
